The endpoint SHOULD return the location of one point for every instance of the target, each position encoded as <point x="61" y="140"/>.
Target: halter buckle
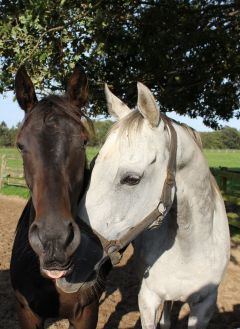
<point x="113" y="253"/>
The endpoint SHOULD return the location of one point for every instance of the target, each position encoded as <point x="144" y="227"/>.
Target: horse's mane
<point x="192" y="132"/>
<point x="197" y="138"/>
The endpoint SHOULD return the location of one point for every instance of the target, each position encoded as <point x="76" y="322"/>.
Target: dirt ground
<point x="118" y="307"/>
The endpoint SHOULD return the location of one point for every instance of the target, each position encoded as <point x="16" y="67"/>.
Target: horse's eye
<point x="20" y="147"/>
<point x="131" y="179"/>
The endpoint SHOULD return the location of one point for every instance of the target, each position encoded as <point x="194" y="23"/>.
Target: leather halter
<point x="112" y="248"/>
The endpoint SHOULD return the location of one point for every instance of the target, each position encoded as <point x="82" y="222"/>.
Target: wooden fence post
<point x="2" y="169"/>
<point x="224" y="184"/>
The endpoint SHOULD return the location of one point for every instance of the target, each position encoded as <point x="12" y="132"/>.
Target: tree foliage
<point x="186" y="51"/>
<point x="226" y="138"/>
<point x="7" y="135"/>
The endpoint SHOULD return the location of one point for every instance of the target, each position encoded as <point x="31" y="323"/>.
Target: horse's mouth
<point x="57" y="273"/>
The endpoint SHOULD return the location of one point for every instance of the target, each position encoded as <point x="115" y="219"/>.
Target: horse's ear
<point x="24" y="88"/>
<point x="77" y="87"/>
<point x="147" y="105"/>
<point x="116" y="107"/>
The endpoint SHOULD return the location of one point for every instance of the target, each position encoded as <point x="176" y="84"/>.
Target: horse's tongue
<point x="55" y="274"/>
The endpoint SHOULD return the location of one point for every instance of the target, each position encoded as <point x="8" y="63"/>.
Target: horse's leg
<point x="149" y="303"/>
<point x="201" y="313"/>
<point x="27" y="319"/>
<point x="165" y="322"/>
<point x="87" y="319"/>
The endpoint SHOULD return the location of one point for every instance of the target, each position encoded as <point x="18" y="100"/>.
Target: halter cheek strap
<point x="113" y="248"/>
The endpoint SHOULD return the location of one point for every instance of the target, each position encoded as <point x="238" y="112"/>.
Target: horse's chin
<point x="85" y="281"/>
<point x="72" y="283"/>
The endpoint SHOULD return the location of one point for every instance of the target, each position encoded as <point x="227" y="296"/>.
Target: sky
<point x="11" y="113"/>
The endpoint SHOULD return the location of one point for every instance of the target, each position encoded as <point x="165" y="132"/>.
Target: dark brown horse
<point x="52" y="264"/>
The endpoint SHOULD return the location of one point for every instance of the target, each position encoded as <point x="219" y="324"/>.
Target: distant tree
<point x="3" y="133"/>
<point x="12" y="136"/>
<point x="212" y="140"/>
<point x="226" y="138"/>
<point x="186" y="51"/>
<point x="231" y="138"/>
<point x="7" y="136"/>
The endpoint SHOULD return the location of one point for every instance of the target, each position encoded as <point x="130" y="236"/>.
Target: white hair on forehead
<point x="129" y="126"/>
<point x="126" y="130"/>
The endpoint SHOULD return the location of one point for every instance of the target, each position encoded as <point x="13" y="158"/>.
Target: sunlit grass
<point x="92" y="151"/>
<point x="20" y="191"/>
<point x="223" y="158"/>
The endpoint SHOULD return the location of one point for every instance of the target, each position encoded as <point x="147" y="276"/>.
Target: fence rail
<point x="9" y="175"/>
<point x="228" y="180"/>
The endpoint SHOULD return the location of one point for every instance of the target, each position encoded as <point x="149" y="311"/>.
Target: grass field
<point x="223" y="158"/>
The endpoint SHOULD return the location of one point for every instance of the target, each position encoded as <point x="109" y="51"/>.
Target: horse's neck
<point x="194" y="195"/>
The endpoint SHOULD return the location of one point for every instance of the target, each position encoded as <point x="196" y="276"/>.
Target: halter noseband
<point x="112" y="248"/>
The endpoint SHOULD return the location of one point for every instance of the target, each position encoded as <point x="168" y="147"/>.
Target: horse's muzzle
<point x="54" y="245"/>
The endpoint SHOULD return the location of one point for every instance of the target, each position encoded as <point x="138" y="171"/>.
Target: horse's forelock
<point x="52" y="106"/>
<point x="59" y="105"/>
<point x="130" y="125"/>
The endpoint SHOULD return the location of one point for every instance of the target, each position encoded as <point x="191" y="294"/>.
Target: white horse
<point x="184" y="258"/>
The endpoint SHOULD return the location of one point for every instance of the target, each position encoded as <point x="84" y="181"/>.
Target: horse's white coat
<point x="186" y="257"/>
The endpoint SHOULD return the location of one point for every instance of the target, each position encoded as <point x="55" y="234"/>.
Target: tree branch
<point x="53" y="29"/>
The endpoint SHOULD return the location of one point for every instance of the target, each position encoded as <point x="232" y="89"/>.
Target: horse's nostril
<point x="34" y="228"/>
<point x="70" y="236"/>
<point x="34" y="238"/>
<point x="73" y="238"/>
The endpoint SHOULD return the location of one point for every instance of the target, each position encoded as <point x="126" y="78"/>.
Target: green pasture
<point x="223" y="158"/>
<point x="9" y="151"/>
<point x="92" y="151"/>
